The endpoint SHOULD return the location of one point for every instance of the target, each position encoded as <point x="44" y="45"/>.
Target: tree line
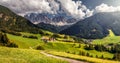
<point x="115" y="49"/>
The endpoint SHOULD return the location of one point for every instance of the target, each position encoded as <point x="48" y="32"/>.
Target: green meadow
<point x="24" y="42"/>
<point x="55" y="46"/>
<point x="15" y="55"/>
<point x="110" y="39"/>
<point x="82" y="58"/>
<point x="26" y="52"/>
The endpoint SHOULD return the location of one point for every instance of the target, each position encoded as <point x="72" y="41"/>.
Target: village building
<point x="47" y="39"/>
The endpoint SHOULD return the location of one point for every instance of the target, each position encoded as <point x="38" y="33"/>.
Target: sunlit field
<point x="15" y="55"/>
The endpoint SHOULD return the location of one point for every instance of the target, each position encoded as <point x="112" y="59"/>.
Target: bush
<point x="116" y="56"/>
<point x="89" y="47"/>
<point x="32" y="37"/>
<point x="40" y="48"/>
<point x="12" y="45"/>
<point x="3" y="39"/>
<point x="41" y="32"/>
<point x="56" y="35"/>
<point x="11" y="32"/>
<point x="15" y="33"/>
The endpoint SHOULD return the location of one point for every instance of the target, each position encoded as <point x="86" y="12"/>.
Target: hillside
<point x="51" y="22"/>
<point x="96" y="26"/>
<point x="60" y="46"/>
<point x="11" y="21"/>
<point x="52" y="28"/>
<point x="110" y="39"/>
<point x="14" y="55"/>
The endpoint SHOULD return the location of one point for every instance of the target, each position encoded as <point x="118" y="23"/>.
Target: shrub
<point x="116" y="56"/>
<point x="12" y="45"/>
<point x="32" y="37"/>
<point x="41" y="32"/>
<point x="15" y="33"/>
<point x="3" y="39"/>
<point x="87" y="54"/>
<point x="56" y="35"/>
<point x="102" y="56"/>
<point x="40" y="48"/>
<point x="89" y="47"/>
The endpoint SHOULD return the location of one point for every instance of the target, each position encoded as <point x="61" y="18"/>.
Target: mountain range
<point x="96" y="26"/>
<point x="93" y="27"/>
<point x="51" y="22"/>
<point x="53" y="19"/>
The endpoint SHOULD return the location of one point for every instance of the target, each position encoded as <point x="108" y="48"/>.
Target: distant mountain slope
<point x="51" y="22"/>
<point x="11" y="21"/>
<point x="53" y="19"/>
<point x="52" y="28"/>
<point x="96" y="26"/>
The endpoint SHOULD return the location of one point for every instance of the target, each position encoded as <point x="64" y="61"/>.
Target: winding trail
<point x="62" y="58"/>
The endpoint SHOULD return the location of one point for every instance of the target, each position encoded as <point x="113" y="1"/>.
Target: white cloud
<point x="72" y="8"/>
<point x="106" y="8"/>
<point x="75" y="9"/>
<point x="26" y="6"/>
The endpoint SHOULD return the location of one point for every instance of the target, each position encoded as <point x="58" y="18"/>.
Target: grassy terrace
<point x="55" y="46"/>
<point x="59" y="47"/>
<point x="25" y="42"/>
<point x="13" y="55"/>
<point x="83" y="58"/>
<point x="111" y="38"/>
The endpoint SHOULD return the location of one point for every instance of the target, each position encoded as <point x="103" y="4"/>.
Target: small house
<point x="47" y="39"/>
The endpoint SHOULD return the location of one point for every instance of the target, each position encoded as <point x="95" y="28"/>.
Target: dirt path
<point x="67" y="59"/>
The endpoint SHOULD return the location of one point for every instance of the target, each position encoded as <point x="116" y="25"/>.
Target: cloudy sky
<point x="79" y="9"/>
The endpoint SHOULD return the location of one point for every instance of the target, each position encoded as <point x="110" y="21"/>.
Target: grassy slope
<point x="24" y="42"/>
<point x="54" y="46"/>
<point x="64" y="47"/>
<point x="84" y="58"/>
<point x="12" y="55"/>
<point x="111" y="38"/>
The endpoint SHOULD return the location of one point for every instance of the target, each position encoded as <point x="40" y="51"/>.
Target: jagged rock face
<point x="51" y="22"/>
<point x="57" y="20"/>
<point x="38" y="18"/>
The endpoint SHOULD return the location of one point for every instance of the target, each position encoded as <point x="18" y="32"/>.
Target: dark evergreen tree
<point x="89" y="47"/>
<point x="96" y="56"/>
<point x="102" y="56"/>
<point x="116" y="56"/>
<point x="87" y="54"/>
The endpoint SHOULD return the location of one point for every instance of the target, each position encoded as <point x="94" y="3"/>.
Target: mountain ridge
<point x="95" y="26"/>
<point x="9" y="21"/>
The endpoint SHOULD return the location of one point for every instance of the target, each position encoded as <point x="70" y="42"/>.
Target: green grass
<point x="24" y="42"/>
<point x="54" y="46"/>
<point x="14" y="55"/>
<point x="83" y="58"/>
<point x="111" y="38"/>
<point x="65" y="47"/>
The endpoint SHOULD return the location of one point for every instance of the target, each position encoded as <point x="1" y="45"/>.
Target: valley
<point x="45" y="38"/>
<point x="56" y="47"/>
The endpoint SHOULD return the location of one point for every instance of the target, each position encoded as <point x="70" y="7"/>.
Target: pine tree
<point x="102" y="56"/>
<point x="96" y="56"/>
<point x="116" y="56"/>
<point x="87" y="54"/>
